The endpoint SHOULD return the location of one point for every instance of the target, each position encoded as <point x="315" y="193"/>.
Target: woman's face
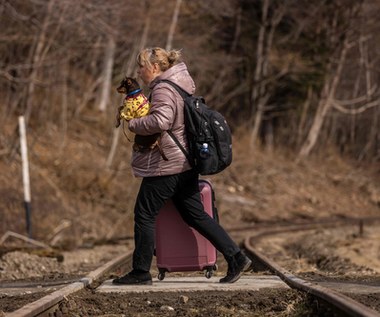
<point x="147" y="74"/>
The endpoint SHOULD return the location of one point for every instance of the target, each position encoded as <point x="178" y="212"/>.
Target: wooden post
<point x="25" y="174"/>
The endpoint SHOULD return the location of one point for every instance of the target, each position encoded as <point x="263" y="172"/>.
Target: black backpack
<point x="208" y="135"/>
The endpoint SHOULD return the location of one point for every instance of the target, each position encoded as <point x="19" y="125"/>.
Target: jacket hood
<point x="178" y="74"/>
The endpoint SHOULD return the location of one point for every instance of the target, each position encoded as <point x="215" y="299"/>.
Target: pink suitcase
<point x="180" y="248"/>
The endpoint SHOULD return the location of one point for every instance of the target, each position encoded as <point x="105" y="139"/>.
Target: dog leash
<point x="125" y="132"/>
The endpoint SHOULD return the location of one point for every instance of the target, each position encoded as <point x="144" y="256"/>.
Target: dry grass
<point x="70" y="183"/>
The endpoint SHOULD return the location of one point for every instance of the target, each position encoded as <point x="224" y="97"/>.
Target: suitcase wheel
<point x="209" y="271"/>
<point x="161" y="275"/>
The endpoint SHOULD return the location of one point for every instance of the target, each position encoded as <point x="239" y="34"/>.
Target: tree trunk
<point x="268" y="135"/>
<point x="64" y="112"/>
<point x="169" y="41"/>
<point x="305" y="111"/>
<point x="260" y="93"/>
<point x="255" y="100"/>
<point x="374" y="132"/>
<point x="324" y="106"/>
<point x="218" y="89"/>
<point x="107" y="74"/>
<point x="37" y="59"/>
<point x="131" y="66"/>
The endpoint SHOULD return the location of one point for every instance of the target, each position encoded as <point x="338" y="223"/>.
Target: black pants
<point x="183" y="189"/>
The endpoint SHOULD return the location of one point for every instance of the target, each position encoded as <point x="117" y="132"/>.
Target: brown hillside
<point x="76" y="199"/>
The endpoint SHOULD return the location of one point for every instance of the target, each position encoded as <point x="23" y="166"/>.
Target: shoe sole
<point x="139" y="283"/>
<point x="245" y="268"/>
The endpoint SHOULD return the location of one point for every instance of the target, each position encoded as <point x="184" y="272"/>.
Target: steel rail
<point x="342" y="302"/>
<point x="338" y="300"/>
<point x="313" y="223"/>
<point x="49" y="301"/>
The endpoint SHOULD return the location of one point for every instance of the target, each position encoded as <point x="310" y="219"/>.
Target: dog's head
<point x="127" y="85"/>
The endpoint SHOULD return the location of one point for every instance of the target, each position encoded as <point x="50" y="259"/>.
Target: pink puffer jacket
<point x="165" y="114"/>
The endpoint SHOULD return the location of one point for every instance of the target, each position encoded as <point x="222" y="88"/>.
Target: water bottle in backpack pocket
<point x="206" y="159"/>
<point x="204" y="152"/>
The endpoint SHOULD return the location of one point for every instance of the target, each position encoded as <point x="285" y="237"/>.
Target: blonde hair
<point x="165" y="59"/>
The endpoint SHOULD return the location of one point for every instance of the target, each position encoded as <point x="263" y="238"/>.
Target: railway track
<point x="49" y="304"/>
<point x="342" y="302"/>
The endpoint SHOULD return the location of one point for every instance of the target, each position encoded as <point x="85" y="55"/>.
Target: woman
<point x="172" y="178"/>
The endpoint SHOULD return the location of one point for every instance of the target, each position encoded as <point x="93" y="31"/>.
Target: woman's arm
<point x="161" y="114"/>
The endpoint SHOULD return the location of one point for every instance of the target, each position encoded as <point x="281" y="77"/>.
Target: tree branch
<point x="338" y="106"/>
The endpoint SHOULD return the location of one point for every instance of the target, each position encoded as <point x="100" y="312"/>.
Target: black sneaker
<point x="237" y="264"/>
<point x="134" y="278"/>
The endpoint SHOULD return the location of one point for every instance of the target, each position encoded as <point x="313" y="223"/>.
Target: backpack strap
<point x="179" y="144"/>
<point x="183" y="94"/>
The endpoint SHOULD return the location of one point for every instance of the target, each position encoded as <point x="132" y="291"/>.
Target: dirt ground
<point x="78" y="203"/>
<point x="264" y="303"/>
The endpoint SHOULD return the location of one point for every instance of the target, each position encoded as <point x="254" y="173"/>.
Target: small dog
<point x="136" y="105"/>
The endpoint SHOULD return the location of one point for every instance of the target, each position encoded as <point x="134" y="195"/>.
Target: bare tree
<point x="36" y="62"/>
<point x="325" y="104"/>
<point x="260" y="92"/>
<point x="129" y="70"/>
<point x="107" y="73"/>
<point x="266" y="62"/>
<point x="173" y="25"/>
<point x="336" y="82"/>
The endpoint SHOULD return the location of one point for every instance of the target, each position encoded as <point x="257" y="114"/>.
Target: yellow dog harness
<point x="136" y="105"/>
